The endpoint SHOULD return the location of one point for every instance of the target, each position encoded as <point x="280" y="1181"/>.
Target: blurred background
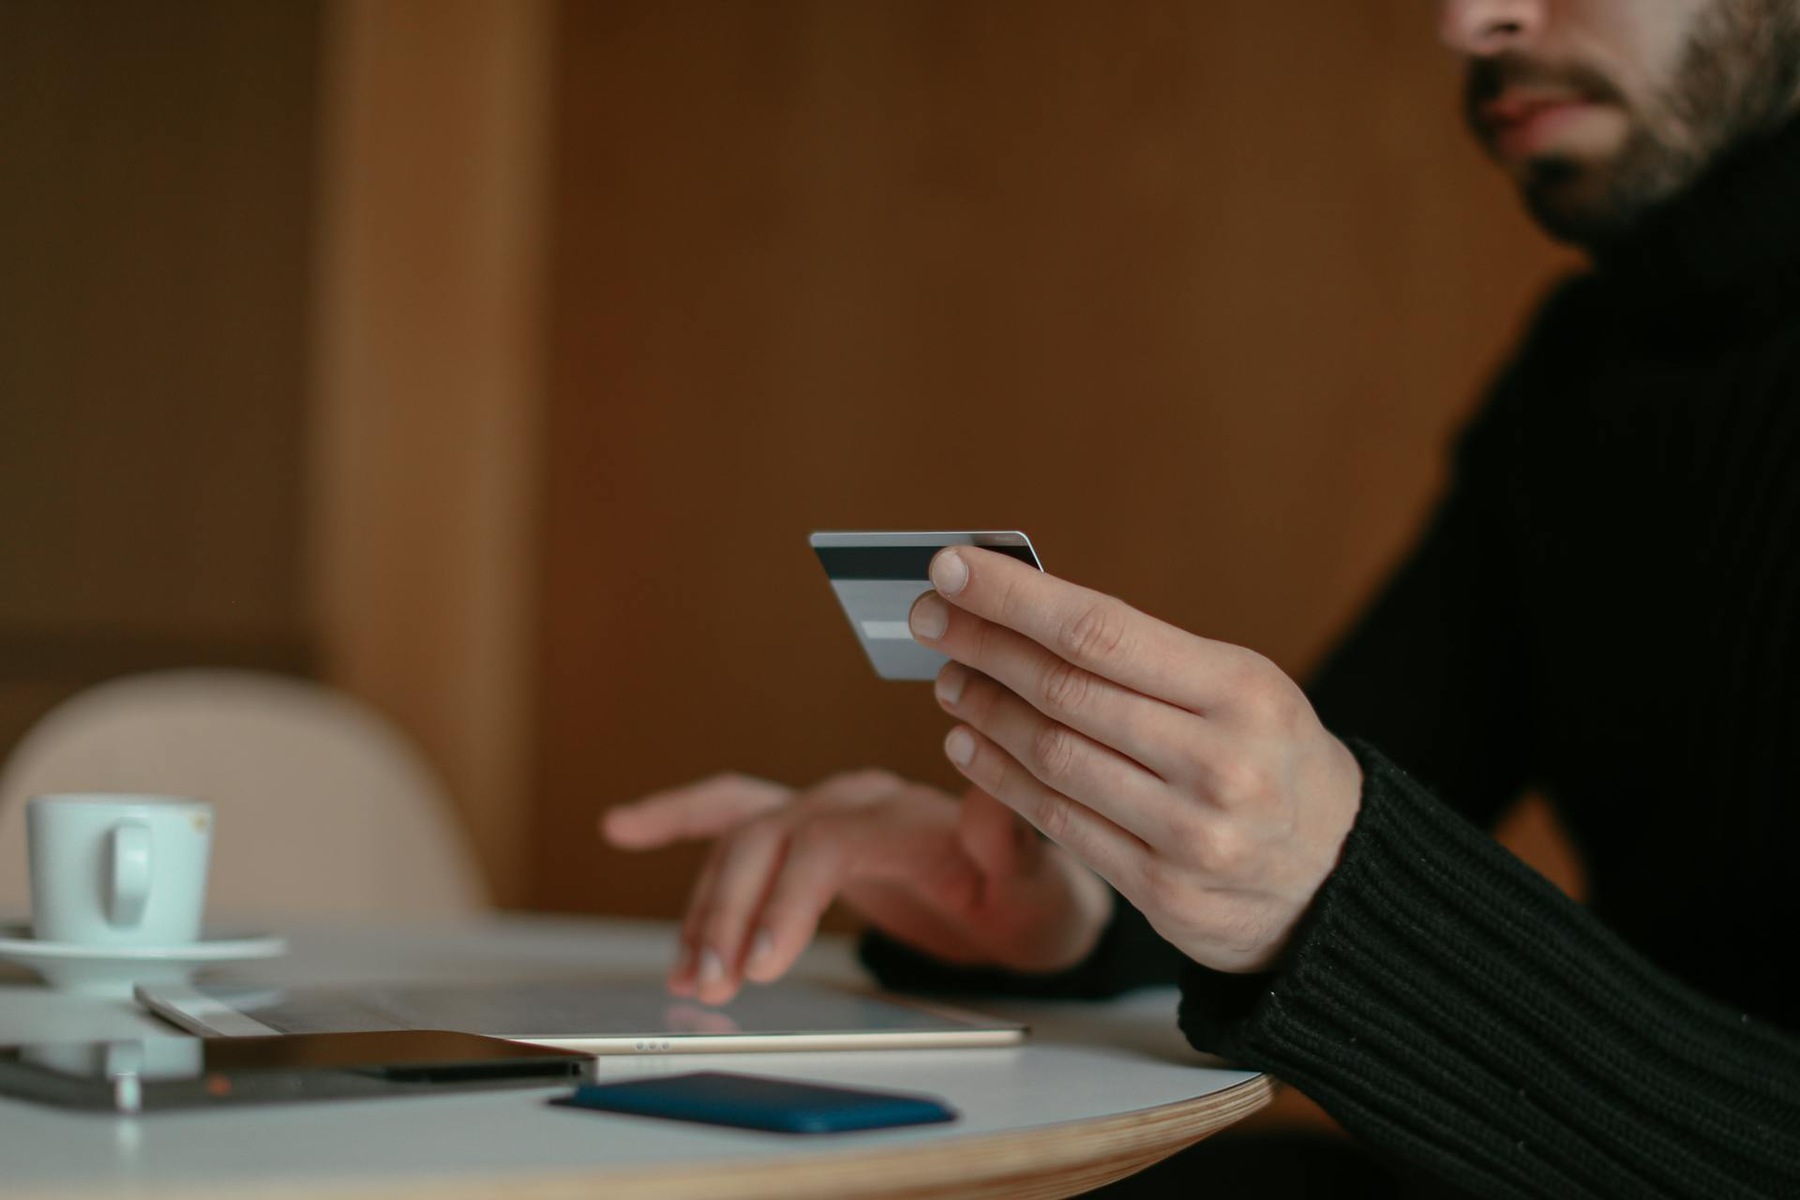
<point x="490" y="360"/>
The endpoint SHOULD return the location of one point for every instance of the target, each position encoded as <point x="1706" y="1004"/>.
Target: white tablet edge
<point x="198" y="1013"/>
<point x="724" y="1043"/>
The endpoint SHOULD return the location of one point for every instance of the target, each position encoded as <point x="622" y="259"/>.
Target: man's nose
<point x="1479" y="28"/>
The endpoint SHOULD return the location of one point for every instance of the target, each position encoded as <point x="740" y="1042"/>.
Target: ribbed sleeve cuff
<point x="1130" y="954"/>
<point x="1451" y="1006"/>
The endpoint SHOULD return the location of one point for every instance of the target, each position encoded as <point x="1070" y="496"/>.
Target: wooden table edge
<point x="1045" y="1162"/>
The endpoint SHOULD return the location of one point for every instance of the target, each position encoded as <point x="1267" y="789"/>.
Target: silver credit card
<point x="877" y="576"/>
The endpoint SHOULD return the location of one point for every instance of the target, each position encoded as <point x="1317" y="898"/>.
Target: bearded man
<point x="1605" y="606"/>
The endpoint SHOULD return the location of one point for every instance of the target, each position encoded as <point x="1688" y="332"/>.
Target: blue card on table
<point x="877" y="576"/>
<point x="759" y="1102"/>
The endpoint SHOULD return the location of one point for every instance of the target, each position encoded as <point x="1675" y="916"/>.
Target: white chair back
<point x="323" y="808"/>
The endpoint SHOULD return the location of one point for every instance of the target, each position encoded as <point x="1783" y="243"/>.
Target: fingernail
<point x="712" y="968"/>
<point x="950" y="682"/>
<point x="615" y="825"/>
<point x="761" y="946"/>
<point x="960" y="746"/>
<point x="930" y="617"/>
<point x="949" y="572"/>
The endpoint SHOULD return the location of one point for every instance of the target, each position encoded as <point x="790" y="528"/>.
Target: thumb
<point x="992" y="835"/>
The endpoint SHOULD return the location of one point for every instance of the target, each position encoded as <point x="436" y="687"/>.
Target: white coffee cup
<point x="115" y="869"/>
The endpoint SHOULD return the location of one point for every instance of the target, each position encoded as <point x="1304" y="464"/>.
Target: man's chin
<point x="1588" y="204"/>
<point x="1595" y="197"/>
<point x="1571" y="204"/>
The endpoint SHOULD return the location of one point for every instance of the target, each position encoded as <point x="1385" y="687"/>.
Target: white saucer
<point x="112" y="970"/>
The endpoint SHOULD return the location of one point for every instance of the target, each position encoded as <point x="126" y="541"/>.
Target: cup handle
<point x="130" y="873"/>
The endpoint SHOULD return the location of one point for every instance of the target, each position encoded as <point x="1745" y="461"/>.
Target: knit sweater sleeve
<point x="1455" y="1010"/>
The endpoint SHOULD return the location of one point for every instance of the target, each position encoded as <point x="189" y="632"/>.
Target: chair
<point x="323" y="808"/>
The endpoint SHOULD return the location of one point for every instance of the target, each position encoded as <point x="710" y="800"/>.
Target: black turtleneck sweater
<point x="1606" y="607"/>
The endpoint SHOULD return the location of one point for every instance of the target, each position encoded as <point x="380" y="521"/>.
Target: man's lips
<point x="1520" y="125"/>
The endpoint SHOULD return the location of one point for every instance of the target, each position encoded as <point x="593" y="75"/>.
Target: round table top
<point x="1098" y="1091"/>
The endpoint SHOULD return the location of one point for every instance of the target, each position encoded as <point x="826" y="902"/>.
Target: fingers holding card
<point x="878" y="575"/>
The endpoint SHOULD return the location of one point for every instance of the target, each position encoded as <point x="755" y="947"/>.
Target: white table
<point x="1099" y="1091"/>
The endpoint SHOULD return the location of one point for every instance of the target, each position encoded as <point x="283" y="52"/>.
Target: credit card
<point x="877" y="576"/>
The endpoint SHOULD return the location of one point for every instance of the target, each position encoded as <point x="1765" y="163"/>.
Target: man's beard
<point x="1738" y="78"/>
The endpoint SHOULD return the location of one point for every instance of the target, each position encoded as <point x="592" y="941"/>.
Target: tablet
<point x="595" y="1016"/>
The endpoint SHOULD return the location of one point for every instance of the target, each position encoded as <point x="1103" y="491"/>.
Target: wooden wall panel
<point x="423" y="461"/>
<point x="155" y="225"/>
<point x="1192" y="293"/>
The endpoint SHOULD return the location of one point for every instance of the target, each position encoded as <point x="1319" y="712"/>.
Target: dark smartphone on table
<point x="181" y="1072"/>
<point x="760" y="1102"/>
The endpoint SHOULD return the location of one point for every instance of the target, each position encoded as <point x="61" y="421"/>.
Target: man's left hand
<point x="1192" y="774"/>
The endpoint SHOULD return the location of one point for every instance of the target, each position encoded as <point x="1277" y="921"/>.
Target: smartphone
<point x="178" y="1072"/>
<point x="760" y="1102"/>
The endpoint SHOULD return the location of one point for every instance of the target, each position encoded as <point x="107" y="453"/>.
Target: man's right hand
<point x="967" y="883"/>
